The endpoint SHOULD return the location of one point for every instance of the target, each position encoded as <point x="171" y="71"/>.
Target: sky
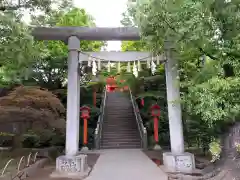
<point x="107" y="13"/>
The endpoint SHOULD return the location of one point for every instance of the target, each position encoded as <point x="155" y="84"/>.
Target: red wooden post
<point x="85" y="111"/>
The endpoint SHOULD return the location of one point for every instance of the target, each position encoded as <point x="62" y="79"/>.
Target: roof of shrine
<point x="87" y="33"/>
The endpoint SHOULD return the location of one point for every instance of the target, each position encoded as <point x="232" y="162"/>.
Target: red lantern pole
<point x="155" y="111"/>
<point x="85" y="130"/>
<point x="142" y="101"/>
<point x="155" y="121"/>
<point x="85" y="115"/>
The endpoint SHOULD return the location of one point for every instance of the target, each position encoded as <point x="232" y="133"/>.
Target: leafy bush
<point x="30" y="140"/>
<point x="34" y="108"/>
<point x="215" y="149"/>
<point x="6" y="139"/>
<point x="43" y="138"/>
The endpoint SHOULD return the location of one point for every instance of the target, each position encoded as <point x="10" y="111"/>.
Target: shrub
<point x="6" y="139"/>
<point x="30" y="140"/>
<point x="32" y="108"/>
<point x="215" y="150"/>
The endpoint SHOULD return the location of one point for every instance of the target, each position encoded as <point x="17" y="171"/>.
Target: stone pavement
<point x="125" y="164"/>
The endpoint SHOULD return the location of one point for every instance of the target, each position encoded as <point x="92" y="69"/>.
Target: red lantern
<point x="155" y="112"/>
<point x="85" y="114"/>
<point x="111" y="84"/>
<point x="85" y="111"/>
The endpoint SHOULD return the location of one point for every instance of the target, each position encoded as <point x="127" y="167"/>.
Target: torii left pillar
<point x="72" y="165"/>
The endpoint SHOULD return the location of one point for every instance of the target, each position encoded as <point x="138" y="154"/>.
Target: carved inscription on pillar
<point x="184" y="162"/>
<point x="68" y="166"/>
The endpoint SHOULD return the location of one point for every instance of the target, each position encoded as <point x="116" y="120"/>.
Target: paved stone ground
<point x="129" y="164"/>
<point x="155" y="155"/>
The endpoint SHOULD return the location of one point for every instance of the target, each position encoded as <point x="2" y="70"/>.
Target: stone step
<point x="116" y="131"/>
<point x="123" y="132"/>
<point x="118" y="108"/>
<point x="120" y="126"/>
<point x="123" y="114"/>
<point x="124" y="136"/>
<point x="117" y="120"/>
<point x="125" y="146"/>
<point x="123" y="143"/>
<point x="119" y="136"/>
<point x="118" y="101"/>
<point x="121" y="140"/>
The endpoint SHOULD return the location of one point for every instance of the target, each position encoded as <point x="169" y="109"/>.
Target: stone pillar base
<point x="74" y="167"/>
<point x="184" y="163"/>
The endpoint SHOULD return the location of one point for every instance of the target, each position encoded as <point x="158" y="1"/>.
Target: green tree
<point x="32" y="5"/>
<point x="51" y="69"/>
<point x="206" y="40"/>
<point x="17" y="49"/>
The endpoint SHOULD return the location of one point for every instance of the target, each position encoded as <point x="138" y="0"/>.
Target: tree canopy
<point x="35" y="72"/>
<point x="44" y="63"/>
<point x="205" y="36"/>
<point x="200" y="30"/>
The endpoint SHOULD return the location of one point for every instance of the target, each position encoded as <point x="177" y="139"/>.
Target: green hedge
<point x="45" y="138"/>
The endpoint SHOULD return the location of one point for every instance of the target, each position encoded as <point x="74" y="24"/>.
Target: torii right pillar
<point x="177" y="160"/>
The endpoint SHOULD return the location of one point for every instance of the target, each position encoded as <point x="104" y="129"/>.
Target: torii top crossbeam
<point x="87" y="33"/>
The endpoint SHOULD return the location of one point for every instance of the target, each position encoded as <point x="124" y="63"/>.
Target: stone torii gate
<point x="177" y="159"/>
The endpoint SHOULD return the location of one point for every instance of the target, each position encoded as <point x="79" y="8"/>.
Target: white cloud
<point x="107" y="13"/>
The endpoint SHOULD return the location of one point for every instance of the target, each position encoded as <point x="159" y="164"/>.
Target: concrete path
<point x="125" y="165"/>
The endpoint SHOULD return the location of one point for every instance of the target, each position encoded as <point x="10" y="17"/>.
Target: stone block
<point x="184" y="163"/>
<point x="71" y="167"/>
<point x="84" y="149"/>
<point x="157" y="147"/>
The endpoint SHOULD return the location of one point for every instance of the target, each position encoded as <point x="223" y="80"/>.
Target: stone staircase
<point x="119" y="129"/>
